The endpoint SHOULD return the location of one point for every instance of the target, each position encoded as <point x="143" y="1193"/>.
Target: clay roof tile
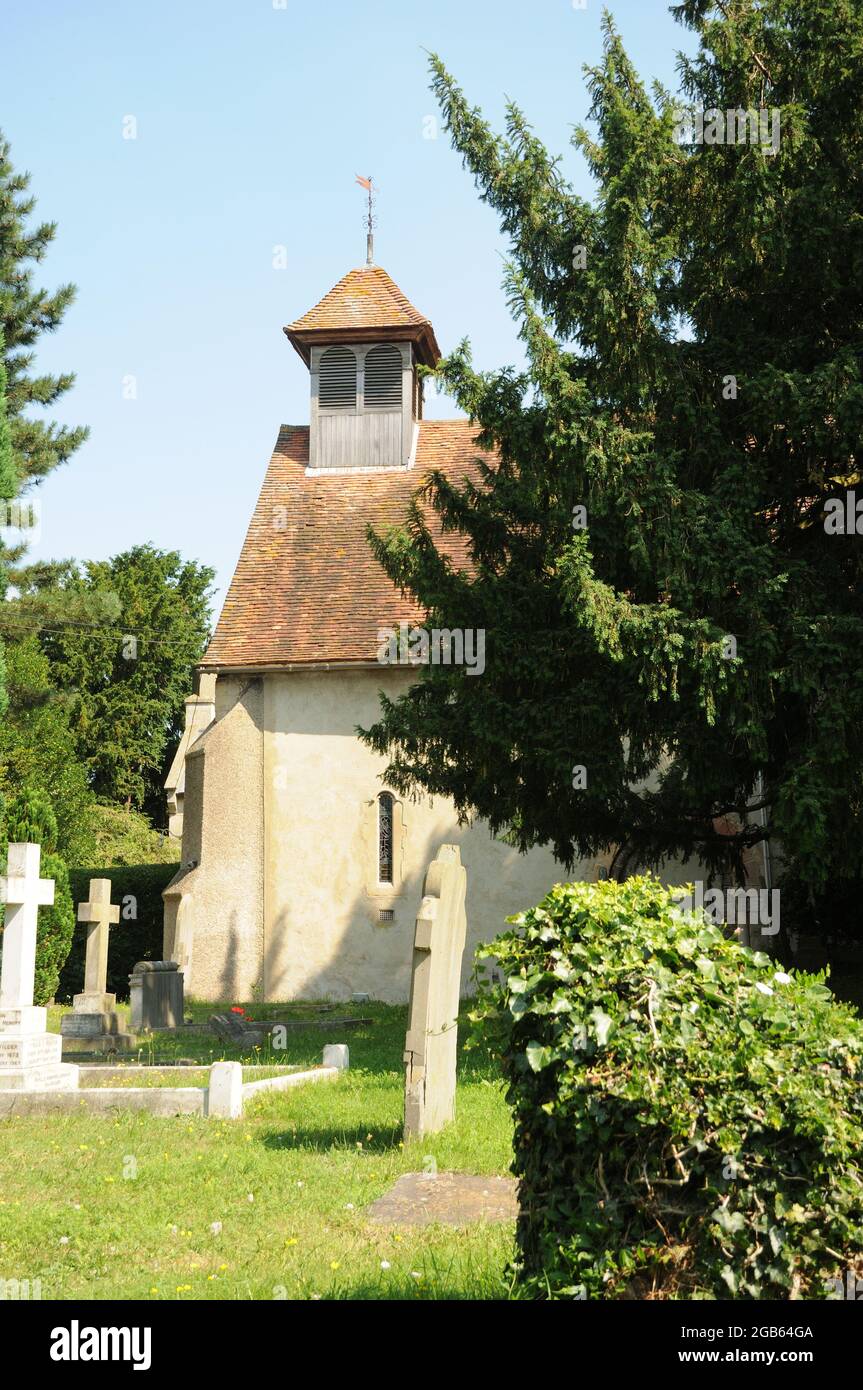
<point x="307" y="587"/>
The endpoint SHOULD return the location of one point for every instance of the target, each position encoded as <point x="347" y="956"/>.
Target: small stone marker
<point x="156" y="995"/>
<point x="94" y="1025"/>
<point x="225" y="1095"/>
<point x="29" y="1055"/>
<point x="430" y="1044"/>
<point x="336" y="1055"/>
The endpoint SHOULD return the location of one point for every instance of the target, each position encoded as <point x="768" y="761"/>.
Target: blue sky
<point x="253" y="117"/>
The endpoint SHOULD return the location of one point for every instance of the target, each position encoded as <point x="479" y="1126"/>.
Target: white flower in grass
<point x="781" y="978"/>
<point x="765" y="989"/>
<point x="216" y="1227"/>
<point x="64" y="1240"/>
<point x="385" y="1264"/>
<point x="250" y="1197"/>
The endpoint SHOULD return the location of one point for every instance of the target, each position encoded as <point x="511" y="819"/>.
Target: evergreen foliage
<point x="694" y="337"/>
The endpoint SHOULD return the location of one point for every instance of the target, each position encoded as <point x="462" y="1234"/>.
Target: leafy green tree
<point x="127" y="681"/>
<point x="31" y="819"/>
<point x="39" y="749"/>
<point x="693" y="339"/>
<point x="122" y="837"/>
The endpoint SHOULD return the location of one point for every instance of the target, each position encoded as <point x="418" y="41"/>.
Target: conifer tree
<point x="38" y="445"/>
<point x="30" y="447"/>
<point x="674" y="639"/>
<point x="8" y="488"/>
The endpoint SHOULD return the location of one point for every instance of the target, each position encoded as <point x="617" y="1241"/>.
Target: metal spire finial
<point x="370" y="218"/>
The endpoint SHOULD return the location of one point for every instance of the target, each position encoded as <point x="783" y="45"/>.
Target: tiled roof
<point x="364" y="298"/>
<point x="365" y="302"/>
<point x="307" y="587"/>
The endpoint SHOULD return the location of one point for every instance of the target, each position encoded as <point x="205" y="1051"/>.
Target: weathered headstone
<point x="94" y="1024"/>
<point x="29" y="1055"/>
<point x="430" y="1044"/>
<point x="156" y="995"/>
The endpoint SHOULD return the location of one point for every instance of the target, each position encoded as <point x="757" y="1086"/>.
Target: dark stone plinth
<point x="156" y="995"/>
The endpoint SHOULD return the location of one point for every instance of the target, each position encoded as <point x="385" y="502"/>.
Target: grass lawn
<point x="125" y="1206"/>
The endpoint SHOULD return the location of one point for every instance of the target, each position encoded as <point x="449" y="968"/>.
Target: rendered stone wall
<point x="221" y="871"/>
<point x="322" y="904"/>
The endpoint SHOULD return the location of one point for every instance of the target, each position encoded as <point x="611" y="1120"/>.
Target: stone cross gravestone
<point x="29" y="1055"/>
<point x="430" y="1044"/>
<point x="94" y="1025"/>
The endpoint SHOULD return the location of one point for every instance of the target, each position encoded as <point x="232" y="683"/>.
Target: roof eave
<point x="288" y="667"/>
<point x="422" y="335"/>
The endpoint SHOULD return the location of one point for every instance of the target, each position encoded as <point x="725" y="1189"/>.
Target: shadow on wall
<point x="230" y="975"/>
<point x="324" y="936"/>
<point x="357" y="943"/>
<point x="326" y="941"/>
<point x="361" y="949"/>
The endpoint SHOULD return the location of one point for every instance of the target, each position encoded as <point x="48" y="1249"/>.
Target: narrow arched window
<point x="337" y="379"/>
<point x="385" y="838"/>
<point x="383" y="378"/>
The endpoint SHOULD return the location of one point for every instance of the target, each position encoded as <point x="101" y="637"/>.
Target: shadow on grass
<point x="412" y="1293"/>
<point x="323" y="1138"/>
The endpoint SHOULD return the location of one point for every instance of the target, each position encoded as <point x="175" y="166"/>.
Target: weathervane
<point x="370" y="219"/>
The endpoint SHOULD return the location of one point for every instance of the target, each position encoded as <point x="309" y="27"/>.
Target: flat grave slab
<point x="453" y="1199"/>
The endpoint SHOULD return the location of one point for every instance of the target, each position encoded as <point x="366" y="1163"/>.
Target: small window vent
<point x="386" y="914"/>
<point x="383" y="378"/>
<point x="337" y="379"/>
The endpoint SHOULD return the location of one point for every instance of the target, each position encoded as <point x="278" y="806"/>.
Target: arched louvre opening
<point x="385" y="838"/>
<point x="383" y="378"/>
<point x="337" y="379"/>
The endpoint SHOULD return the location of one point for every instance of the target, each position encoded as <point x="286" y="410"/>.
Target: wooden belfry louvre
<point x="383" y="378"/>
<point x="363" y="343"/>
<point x="337" y="388"/>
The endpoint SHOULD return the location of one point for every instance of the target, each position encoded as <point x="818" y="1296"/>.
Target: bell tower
<point x="363" y="344"/>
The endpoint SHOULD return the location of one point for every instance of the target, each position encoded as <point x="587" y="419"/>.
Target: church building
<point x="301" y="871"/>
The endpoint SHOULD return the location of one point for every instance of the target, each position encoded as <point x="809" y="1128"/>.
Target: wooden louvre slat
<point x="383" y="378"/>
<point x="337" y="379"/>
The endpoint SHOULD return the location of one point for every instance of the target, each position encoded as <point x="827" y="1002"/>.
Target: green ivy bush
<point x="688" y="1118"/>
